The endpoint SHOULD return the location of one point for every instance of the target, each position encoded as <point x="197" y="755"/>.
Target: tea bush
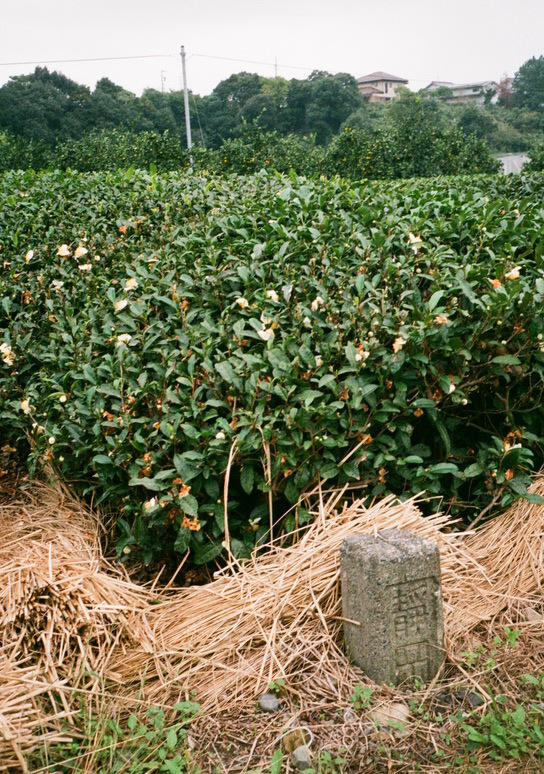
<point x="156" y="330"/>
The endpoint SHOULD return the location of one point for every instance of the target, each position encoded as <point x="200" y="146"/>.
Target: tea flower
<point x="121" y="304"/>
<point x="307" y="322"/>
<point x="85" y="266"/>
<point x="25" y="406"/>
<point x="57" y="285"/>
<point x="131" y="283"/>
<point x="316" y="303"/>
<point x="451" y="388"/>
<point x="63" y="251"/>
<point x="318" y="361"/>
<point x="496" y="284"/>
<point x="242" y="302"/>
<point x="7" y="354"/>
<point x="124" y="338"/>
<point x="441" y="319"/>
<point x="398" y="344"/>
<point x="63" y="398"/>
<point x="272" y="295"/>
<point x="29" y="256"/>
<point x="192" y="524"/>
<point x="415" y="242"/>
<point x="220" y="436"/>
<point x="512" y="274"/>
<point x="80" y="251"/>
<point x="51" y="440"/>
<point x="361" y="354"/>
<point x="150" y="503"/>
<point x="267" y="334"/>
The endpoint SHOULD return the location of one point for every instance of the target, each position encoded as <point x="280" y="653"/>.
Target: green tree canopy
<point x="528" y="86"/>
<point x="45" y="107"/>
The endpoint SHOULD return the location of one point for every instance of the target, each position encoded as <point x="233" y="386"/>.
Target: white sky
<point x="421" y="40"/>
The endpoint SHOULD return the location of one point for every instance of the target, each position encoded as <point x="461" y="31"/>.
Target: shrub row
<point x="353" y="153"/>
<point x="159" y="330"/>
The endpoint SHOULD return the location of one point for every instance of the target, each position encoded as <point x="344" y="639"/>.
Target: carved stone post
<point x="391" y="592"/>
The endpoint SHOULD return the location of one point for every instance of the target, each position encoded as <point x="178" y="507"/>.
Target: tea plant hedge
<point x="157" y="331"/>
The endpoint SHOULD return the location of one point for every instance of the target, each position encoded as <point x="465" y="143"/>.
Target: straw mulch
<point x="73" y="624"/>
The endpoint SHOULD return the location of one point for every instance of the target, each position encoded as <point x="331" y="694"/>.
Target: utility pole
<point x="163" y="80"/>
<point x="186" y="102"/>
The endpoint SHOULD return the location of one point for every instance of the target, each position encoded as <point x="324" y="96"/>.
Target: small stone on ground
<point x="300" y="758"/>
<point x="268" y="702"/>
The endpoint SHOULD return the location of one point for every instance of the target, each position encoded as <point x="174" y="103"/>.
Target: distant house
<point x="379" y="87"/>
<point x="466" y="93"/>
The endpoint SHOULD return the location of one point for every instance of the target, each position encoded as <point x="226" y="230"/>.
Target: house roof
<point x="457" y="86"/>
<point x="367" y="88"/>
<point x="380" y="76"/>
<point x="437" y="84"/>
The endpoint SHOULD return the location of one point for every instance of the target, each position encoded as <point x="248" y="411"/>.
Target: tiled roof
<point x="380" y="76"/>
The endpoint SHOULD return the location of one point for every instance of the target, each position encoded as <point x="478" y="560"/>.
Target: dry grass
<point x="73" y="624"/>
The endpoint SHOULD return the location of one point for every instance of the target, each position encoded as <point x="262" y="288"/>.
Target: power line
<point x="149" y="56"/>
<point x="87" y="59"/>
<point x="274" y="64"/>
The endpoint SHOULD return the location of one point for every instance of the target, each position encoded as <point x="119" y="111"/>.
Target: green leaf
<point x="185" y="467"/>
<point x="153" y="484"/>
<point x="188" y="505"/>
<point x="328" y="470"/>
<point x="226" y="370"/>
<point x="308" y="396"/>
<point x="247" y="478"/>
<point x="277" y="359"/>
<point x="434" y="299"/>
<point x="183" y="540"/>
<point x="473" y="470"/>
<point x="443" y="433"/>
<point x="442" y="468"/>
<point x="327" y="379"/>
<point x="518" y="486"/>
<point x="497" y="741"/>
<point x="414" y="459"/>
<point x="102" y="459"/>
<point x="533" y="498"/>
<point x="424" y="403"/>
<point x="275" y="762"/>
<point x="506" y="360"/>
<point x="206" y="552"/>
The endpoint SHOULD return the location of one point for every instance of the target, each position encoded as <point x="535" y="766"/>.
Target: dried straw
<point x="73" y="624"/>
<point x="277" y="617"/>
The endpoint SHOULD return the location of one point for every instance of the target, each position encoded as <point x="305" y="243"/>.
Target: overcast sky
<point x="421" y="40"/>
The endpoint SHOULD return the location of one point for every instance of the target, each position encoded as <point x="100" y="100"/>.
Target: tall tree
<point x="45" y="106"/>
<point x="528" y="85"/>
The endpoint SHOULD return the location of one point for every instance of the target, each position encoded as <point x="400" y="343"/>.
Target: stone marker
<point x="391" y="589"/>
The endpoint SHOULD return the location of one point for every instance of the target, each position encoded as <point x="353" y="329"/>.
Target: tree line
<point x="48" y="119"/>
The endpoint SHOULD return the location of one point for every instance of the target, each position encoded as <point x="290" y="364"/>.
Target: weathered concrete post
<point x="391" y="589"/>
